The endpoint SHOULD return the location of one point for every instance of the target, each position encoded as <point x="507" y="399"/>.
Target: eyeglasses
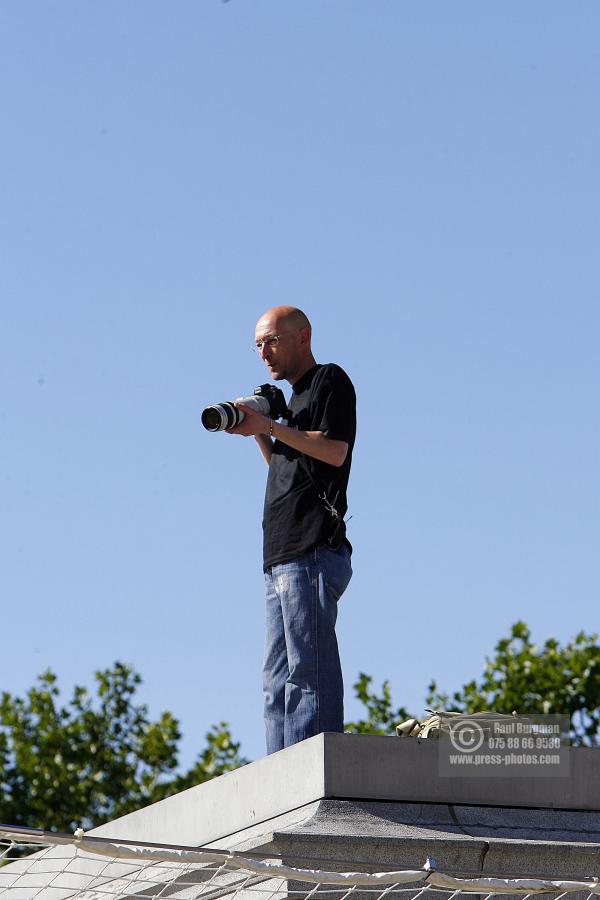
<point x="267" y="342"/>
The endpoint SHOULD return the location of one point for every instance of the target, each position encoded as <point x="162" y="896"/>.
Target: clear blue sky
<point x="422" y="180"/>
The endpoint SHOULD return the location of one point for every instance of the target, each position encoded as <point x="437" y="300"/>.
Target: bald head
<point x="290" y="356"/>
<point x="289" y="317"/>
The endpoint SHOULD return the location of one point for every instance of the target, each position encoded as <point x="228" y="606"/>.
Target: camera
<point x="267" y="399"/>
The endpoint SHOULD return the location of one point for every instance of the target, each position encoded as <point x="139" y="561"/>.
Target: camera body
<point x="267" y="399"/>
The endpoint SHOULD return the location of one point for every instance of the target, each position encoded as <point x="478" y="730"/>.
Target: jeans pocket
<point x="337" y="570"/>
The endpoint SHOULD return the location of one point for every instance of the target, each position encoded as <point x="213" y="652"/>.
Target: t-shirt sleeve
<point x="335" y="406"/>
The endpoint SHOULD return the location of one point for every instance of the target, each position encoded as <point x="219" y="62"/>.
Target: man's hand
<point x="253" y="423"/>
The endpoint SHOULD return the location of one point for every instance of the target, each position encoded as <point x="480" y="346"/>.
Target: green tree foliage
<point x="95" y="758"/>
<point x="381" y="716"/>
<point x="543" y="679"/>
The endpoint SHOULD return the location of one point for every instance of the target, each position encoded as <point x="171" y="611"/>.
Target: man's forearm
<point x="312" y="443"/>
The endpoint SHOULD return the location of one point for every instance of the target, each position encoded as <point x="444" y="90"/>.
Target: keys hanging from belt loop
<point x="330" y="506"/>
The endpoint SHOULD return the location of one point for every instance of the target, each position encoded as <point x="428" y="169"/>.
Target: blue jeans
<point x="302" y="675"/>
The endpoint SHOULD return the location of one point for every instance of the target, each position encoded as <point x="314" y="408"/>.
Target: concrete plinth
<point x="373" y="802"/>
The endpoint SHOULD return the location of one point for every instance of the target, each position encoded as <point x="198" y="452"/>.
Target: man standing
<point x="306" y="555"/>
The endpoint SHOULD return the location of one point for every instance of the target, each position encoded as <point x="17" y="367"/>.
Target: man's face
<point x="281" y="357"/>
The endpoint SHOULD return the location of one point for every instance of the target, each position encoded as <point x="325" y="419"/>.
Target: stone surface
<point x="406" y="769"/>
<point x="340" y="801"/>
<point x="493" y="841"/>
<point x="350" y="767"/>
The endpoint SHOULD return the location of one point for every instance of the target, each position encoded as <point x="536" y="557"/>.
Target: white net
<point x="38" y="865"/>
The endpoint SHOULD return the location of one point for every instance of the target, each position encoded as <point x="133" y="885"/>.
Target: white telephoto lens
<point x="260" y="404"/>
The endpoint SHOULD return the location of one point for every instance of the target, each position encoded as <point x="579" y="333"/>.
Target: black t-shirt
<point x="295" y="520"/>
